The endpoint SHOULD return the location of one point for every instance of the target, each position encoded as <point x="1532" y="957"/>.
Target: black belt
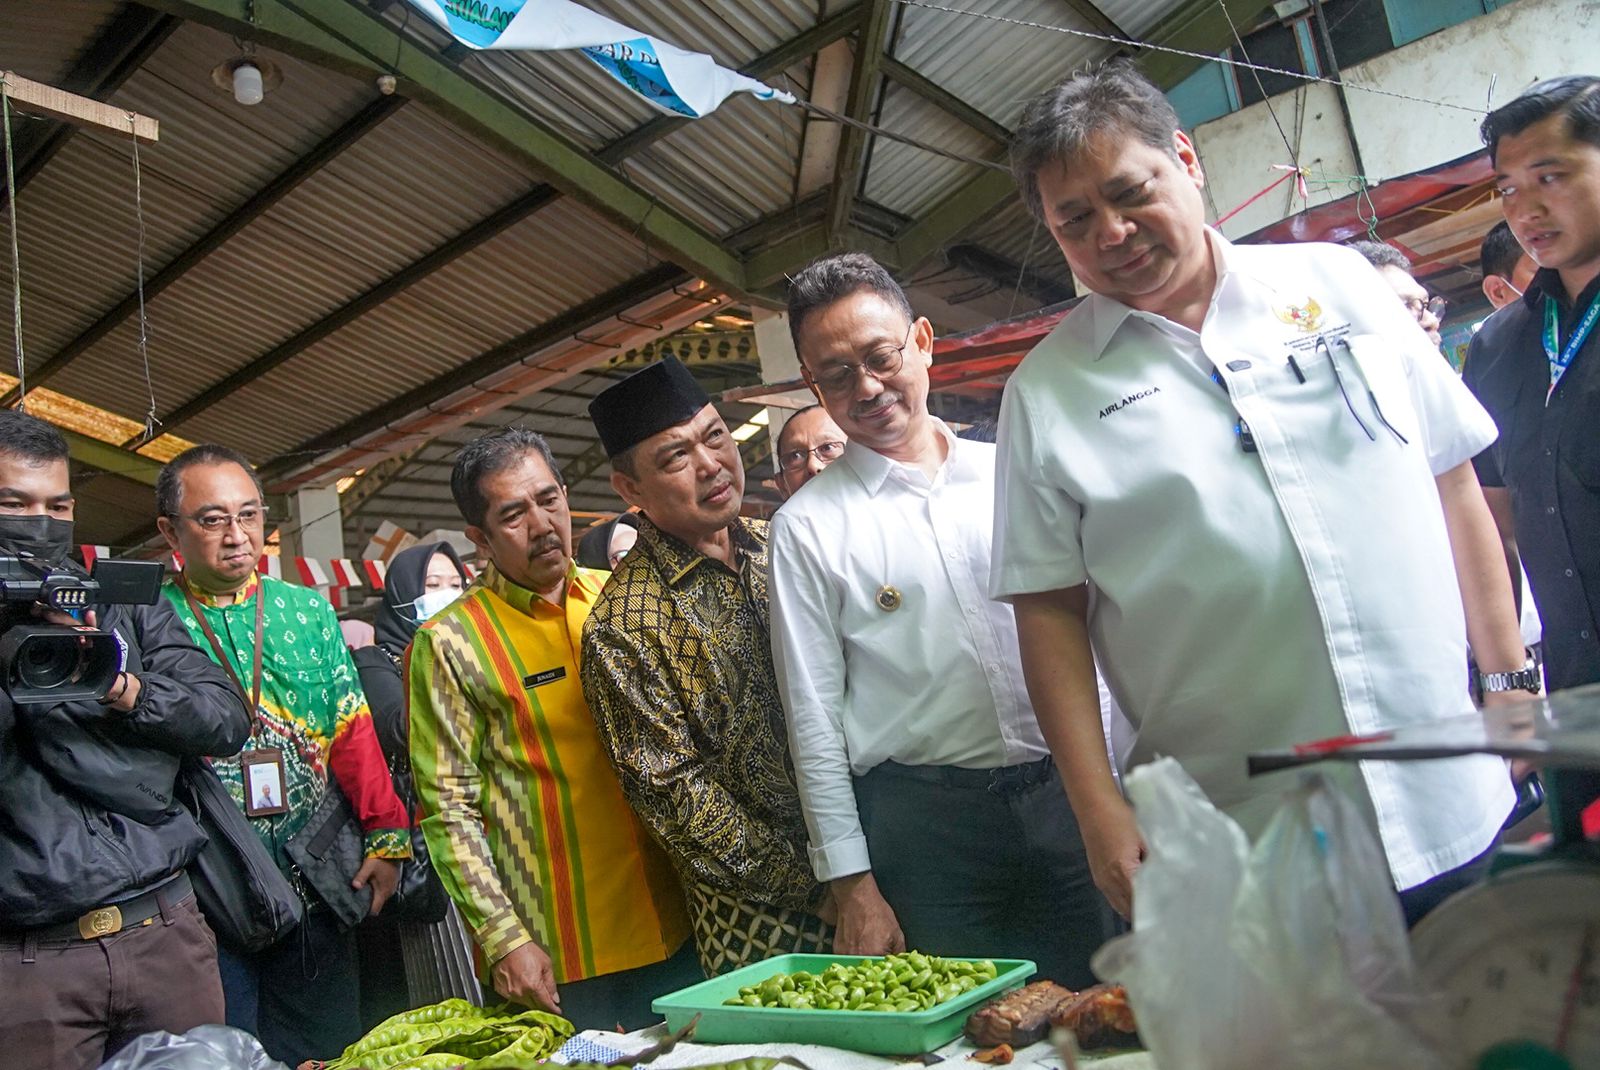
<point x="1007" y="780"/>
<point x="142" y="909"/>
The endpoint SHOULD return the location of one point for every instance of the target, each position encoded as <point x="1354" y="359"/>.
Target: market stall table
<point x="599" y="1046"/>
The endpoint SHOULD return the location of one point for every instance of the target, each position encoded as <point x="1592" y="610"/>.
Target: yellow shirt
<point x="524" y="818"/>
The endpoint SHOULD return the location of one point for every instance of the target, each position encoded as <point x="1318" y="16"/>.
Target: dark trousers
<point x="72" y="1004"/>
<point x="978" y="865"/>
<point x="624" y="998"/>
<point x="301" y="997"/>
<point x="1418" y="901"/>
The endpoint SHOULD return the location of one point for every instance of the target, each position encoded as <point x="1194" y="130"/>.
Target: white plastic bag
<point x="1291" y="954"/>
<point x="205" y="1047"/>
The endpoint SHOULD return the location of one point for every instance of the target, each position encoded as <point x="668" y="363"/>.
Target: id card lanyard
<point x="1561" y="357"/>
<point x="264" y="786"/>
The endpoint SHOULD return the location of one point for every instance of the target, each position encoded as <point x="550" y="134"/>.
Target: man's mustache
<point x="882" y="401"/>
<point x="548" y="542"/>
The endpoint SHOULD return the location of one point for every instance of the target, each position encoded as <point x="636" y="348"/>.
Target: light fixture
<point x="247" y="84"/>
<point x="247" y="76"/>
<point x="751" y="427"/>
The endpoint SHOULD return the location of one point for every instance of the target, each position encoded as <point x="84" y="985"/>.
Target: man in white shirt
<point x="929" y="794"/>
<point x="1259" y="465"/>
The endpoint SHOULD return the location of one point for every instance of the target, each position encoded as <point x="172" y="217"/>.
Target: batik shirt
<point x="677" y="668"/>
<point x="525" y="822"/>
<point x="312" y="710"/>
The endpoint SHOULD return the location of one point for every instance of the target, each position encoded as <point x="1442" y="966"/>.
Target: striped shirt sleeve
<point x="446" y="736"/>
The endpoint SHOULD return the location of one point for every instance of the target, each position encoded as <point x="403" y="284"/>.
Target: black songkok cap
<point x="648" y="401"/>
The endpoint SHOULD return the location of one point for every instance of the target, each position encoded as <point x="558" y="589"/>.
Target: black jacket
<point x="86" y="816"/>
<point x="1548" y="457"/>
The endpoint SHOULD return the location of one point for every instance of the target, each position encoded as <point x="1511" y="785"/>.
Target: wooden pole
<point x="80" y="111"/>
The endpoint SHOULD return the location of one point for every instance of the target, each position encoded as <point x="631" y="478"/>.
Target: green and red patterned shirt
<point x="312" y="710"/>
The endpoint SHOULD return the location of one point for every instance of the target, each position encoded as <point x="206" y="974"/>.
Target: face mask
<point x="433" y="601"/>
<point x="40" y="540"/>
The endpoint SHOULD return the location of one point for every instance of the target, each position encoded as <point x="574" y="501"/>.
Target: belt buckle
<point x="101" y="922"/>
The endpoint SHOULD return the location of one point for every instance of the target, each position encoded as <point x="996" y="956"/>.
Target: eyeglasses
<point x="1436" y="305"/>
<point x="881" y="363"/>
<point x="250" y="518"/>
<point x="827" y="453"/>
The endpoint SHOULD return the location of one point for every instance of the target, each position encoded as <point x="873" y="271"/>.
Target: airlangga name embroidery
<point x="1137" y="395"/>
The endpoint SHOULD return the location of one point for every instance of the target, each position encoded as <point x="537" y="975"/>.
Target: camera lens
<point x="48" y="661"/>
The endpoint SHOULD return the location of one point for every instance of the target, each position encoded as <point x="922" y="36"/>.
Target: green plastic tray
<point x="874" y="1032"/>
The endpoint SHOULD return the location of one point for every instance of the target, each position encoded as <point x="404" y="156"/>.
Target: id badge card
<point x="265" y="786"/>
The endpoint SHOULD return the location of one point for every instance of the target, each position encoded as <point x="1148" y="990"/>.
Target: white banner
<point x="676" y="80"/>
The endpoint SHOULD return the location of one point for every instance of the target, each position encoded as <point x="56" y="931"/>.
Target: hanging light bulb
<point x="247" y="84"/>
<point x="248" y="77"/>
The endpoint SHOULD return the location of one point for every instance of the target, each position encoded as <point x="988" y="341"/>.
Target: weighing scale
<point x="1516" y="958"/>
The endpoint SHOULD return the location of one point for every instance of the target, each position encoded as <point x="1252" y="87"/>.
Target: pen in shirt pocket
<point x="1294" y="366"/>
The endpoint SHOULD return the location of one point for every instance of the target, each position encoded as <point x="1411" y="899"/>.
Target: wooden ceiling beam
<point x="865" y="84"/>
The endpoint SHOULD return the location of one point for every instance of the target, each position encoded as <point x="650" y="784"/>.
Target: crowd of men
<point x="1235" y="495"/>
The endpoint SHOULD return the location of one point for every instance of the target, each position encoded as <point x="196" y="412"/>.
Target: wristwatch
<point x="1524" y="679"/>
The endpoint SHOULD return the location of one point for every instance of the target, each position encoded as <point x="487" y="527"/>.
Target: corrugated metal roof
<point x="1013" y="234"/>
<point x="733" y="167"/>
<point x="910" y="180"/>
<point x="1136" y="16"/>
<point x="43" y="41"/>
<point x="998" y="66"/>
<point x="529" y="274"/>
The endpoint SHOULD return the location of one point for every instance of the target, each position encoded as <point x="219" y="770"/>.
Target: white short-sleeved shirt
<point x="1244" y="601"/>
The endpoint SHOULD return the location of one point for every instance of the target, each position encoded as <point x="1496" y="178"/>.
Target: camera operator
<point x="100" y="938"/>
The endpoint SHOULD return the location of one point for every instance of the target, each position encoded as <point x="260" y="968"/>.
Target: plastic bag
<point x="1294" y="953"/>
<point x="205" y="1047"/>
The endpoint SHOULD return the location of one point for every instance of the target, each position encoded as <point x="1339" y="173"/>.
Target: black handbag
<point x="329" y="849"/>
<point x="420" y="899"/>
<point x="326" y="854"/>
<point x="239" y="888"/>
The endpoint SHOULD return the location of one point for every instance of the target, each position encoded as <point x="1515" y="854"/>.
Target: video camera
<point x="50" y="663"/>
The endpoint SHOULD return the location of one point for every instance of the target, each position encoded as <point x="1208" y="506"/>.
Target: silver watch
<point x="1524" y="679"/>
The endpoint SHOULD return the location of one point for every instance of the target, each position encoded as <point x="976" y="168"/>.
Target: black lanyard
<point x="254" y="695"/>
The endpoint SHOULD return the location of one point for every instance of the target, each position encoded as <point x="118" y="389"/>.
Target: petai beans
<point x="455" y="1032"/>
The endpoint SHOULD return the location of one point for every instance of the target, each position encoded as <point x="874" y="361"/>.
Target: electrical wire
<point x="1294" y="155"/>
<point x="150" y="421"/>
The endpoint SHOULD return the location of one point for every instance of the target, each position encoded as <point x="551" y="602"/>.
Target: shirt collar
<point x="1108" y="314"/>
<point x="240" y="596"/>
<point x="676" y="560"/>
<point x="1548" y="281"/>
<point x="874" y="469"/>
<point x="581" y="583"/>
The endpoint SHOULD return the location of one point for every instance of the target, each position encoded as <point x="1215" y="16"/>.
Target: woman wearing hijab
<point x="605" y="545"/>
<point x="421" y="581"/>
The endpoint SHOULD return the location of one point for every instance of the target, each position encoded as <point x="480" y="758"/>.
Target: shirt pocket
<point x="1580" y="439"/>
<point x="1374" y="375"/>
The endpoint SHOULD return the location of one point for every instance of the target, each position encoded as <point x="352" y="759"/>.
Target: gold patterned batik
<point x="677" y="669"/>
